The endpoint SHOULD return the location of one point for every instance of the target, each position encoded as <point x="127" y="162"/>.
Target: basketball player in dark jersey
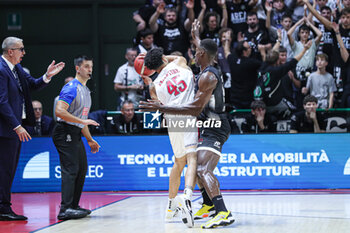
<point x="208" y="105"/>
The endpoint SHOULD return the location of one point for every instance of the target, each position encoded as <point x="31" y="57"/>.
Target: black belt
<point x="73" y="128"/>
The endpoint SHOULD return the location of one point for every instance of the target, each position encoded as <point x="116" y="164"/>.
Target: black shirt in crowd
<point x="326" y="45"/>
<point x="214" y="35"/>
<point x="287" y="86"/>
<point x="146" y="13"/>
<point x="339" y="73"/>
<point x="255" y="38"/>
<point x="172" y="38"/>
<point x="120" y="126"/>
<point x="243" y="80"/>
<point x="276" y="74"/>
<point x="237" y="16"/>
<point x="345" y="102"/>
<point x="252" y="126"/>
<point x="302" y="124"/>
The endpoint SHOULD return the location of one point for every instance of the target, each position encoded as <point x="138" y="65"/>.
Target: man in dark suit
<point x="15" y="109"/>
<point x="43" y="124"/>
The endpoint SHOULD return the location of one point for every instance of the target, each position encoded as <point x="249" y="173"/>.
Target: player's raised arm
<point x="178" y="60"/>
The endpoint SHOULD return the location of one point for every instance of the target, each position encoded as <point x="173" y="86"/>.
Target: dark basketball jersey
<point x="214" y="137"/>
<point x="216" y="105"/>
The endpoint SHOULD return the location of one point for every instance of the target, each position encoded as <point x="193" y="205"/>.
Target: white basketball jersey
<point x="175" y="85"/>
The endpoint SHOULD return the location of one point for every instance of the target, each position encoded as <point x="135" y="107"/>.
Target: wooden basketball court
<point x="320" y="211"/>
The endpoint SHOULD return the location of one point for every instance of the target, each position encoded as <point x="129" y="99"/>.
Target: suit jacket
<point x="47" y="125"/>
<point x="12" y="98"/>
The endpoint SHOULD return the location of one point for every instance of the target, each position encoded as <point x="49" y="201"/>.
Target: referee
<point x="72" y="111"/>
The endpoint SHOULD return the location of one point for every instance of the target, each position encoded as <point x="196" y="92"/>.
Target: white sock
<point x="188" y="193"/>
<point x="171" y="203"/>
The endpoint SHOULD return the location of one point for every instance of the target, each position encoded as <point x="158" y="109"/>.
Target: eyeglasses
<point x="20" y="49"/>
<point x="38" y="109"/>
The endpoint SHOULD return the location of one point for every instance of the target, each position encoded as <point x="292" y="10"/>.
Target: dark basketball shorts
<point x="213" y="139"/>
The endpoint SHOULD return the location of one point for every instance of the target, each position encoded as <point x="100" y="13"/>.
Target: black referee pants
<point x="70" y="147"/>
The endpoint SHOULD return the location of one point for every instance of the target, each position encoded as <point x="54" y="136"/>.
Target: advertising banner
<point x="125" y="163"/>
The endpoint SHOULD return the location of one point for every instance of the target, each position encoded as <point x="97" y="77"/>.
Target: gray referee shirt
<point x="78" y="97"/>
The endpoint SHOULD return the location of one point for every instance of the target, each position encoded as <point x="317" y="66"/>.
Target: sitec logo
<point x="347" y="167"/>
<point x="38" y="167"/>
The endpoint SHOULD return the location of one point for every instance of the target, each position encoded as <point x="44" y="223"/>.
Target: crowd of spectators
<point x="275" y="52"/>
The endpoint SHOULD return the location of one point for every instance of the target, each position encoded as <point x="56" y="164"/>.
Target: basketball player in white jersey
<point x="209" y="103"/>
<point x="175" y="85"/>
